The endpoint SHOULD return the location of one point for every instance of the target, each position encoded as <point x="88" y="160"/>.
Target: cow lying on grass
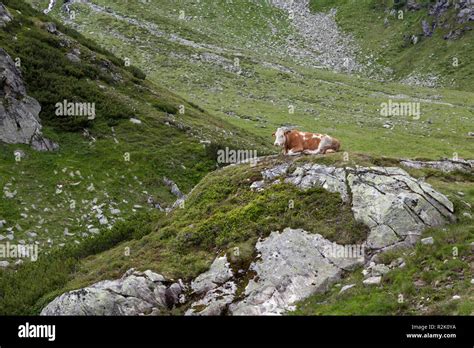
<point x="295" y="142"/>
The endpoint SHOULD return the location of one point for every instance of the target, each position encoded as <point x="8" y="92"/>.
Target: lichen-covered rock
<point x="396" y="207"/>
<point x="215" y="302"/>
<point x="218" y="273"/>
<point x="292" y="265"/>
<point x="5" y="16"/>
<point x="322" y="40"/>
<point x="19" y="113"/>
<point x="330" y="178"/>
<point x="446" y="165"/>
<point x="136" y="293"/>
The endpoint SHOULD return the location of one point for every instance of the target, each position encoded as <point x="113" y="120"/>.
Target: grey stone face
<point x="446" y="165"/>
<point x="135" y="293"/>
<point x="219" y="273"/>
<point x="19" y="113"/>
<point x="5" y="16"/>
<point x="293" y="265"/>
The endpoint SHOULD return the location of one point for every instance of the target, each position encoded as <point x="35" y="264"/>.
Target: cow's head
<point x="280" y="138"/>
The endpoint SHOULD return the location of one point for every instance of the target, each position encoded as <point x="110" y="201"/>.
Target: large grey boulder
<point x="136" y="293"/>
<point x="292" y="265"/>
<point x="19" y="113"/>
<point x="395" y="206"/>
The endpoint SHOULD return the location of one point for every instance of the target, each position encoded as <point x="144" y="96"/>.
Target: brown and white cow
<point x="295" y="142"/>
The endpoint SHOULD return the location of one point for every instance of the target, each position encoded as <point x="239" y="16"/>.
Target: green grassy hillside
<point x="386" y="36"/>
<point x="109" y="163"/>
<point x="197" y="59"/>
<point x="228" y="64"/>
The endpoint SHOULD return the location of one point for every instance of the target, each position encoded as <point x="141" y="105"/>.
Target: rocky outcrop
<point x="136" y="293"/>
<point x="5" y="16"/>
<point x="173" y="187"/>
<point x="395" y="206"/>
<point x="463" y="9"/>
<point x="19" y="113"/>
<point x="330" y="178"/>
<point x="291" y="266"/>
<point x="446" y="165"/>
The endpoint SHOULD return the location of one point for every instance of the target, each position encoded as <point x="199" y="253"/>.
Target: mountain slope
<point x="270" y="80"/>
<point x="107" y="168"/>
<point x="427" y="43"/>
<point x="243" y="69"/>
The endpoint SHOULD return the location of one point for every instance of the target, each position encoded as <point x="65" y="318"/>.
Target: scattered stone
<point x="372" y="280"/>
<point x="456" y="297"/>
<point x="74" y="56"/>
<point x="346" y="287"/>
<point x="379" y="270"/>
<point x="19" y="112"/>
<point x="257" y="185"/>
<point x="51" y="28"/>
<point x="4" y="264"/>
<point x="427" y="241"/>
<point x="330" y="178"/>
<point x="215" y="301"/>
<point x="419" y="283"/>
<point x="135" y="121"/>
<point x="173" y="187"/>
